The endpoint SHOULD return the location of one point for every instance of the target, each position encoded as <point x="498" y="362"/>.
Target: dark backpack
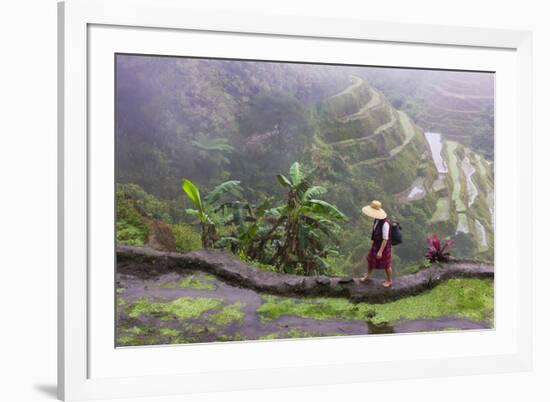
<point x="395" y="233"/>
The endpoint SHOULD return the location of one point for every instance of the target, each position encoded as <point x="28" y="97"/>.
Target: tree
<point x="309" y="225"/>
<point x="212" y="153"/>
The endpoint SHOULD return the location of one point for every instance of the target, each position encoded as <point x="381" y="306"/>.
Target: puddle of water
<point x="436" y="146"/>
<point x="415" y="192"/>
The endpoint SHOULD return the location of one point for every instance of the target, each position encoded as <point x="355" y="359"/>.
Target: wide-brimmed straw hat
<point x="374" y="210"/>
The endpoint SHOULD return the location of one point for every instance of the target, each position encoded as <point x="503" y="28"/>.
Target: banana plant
<point x="310" y="224"/>
<point x="248" y="227"/>
<point x="206" y="210"/>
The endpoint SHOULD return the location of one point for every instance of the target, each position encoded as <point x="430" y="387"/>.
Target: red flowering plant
<point x="436" y="250"/>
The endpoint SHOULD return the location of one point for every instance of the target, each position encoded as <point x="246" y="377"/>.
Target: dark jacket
<point x="377" y="231"/>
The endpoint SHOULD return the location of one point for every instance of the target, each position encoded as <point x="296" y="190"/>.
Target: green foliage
<point x="296" y="237"/>
<point x="310" y="225"/>
<point x="336" y="265"/>
<point x="213" y="151"/>
<point x="348" y="101"/>
<point x="194" y="195"/>
<point x="264" y="267"/>
<point x="464" y="246"/>
<point x="207" y="211"/>
<point x="217" y="120"/>
<point x="187" y="238"/>
<point x="467" y="298"/>
<point x="130" y="228"/>
<point x="147" y="204"/>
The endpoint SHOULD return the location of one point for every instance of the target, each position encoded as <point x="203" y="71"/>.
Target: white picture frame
<point x="84" y="26"/>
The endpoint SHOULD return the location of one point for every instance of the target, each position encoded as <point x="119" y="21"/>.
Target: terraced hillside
<point x="448" y="180"/>
<point x="452" y="108"/>
<point x="458" y="104"/>
<point x="374" y="139"/>
<point x="465" y="193"/>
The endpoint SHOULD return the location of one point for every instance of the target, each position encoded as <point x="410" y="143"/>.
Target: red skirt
<point x="379" y="263"/>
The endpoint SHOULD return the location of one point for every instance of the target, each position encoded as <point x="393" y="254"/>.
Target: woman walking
<point x="379" y="256"/>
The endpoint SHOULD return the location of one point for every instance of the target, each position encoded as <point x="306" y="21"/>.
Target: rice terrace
<point x="252" y="199"/>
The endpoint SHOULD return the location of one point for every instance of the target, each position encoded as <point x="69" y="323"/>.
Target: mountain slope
<point x="377" y="143"/>
<point x="213" y="120"/>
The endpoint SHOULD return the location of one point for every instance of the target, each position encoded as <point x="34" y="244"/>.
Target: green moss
<point x="135" y="336"/>
<point x="228" y="314"/>
<point x="183" y="308"/>
<point x="136" y="330"/>
<point x="316" y="308"/>
<point x="169" y="332"/>
<point x="198" y="330"/>
<point x="468" y="298"/>
<point x="126" y="340"/>
<point x="197" y="281"/>
<point x="120" y="301"/>
<point x="120" y="290"/>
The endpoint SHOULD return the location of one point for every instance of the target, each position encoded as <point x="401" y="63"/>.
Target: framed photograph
<point x="256" y="201"/>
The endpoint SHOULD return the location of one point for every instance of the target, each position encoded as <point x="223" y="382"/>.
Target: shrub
<point x="436" y="251"/>
<point x="260" y="265"/>
<point x="130" y="228"/>
<point x="187" y="238"/>
<point x="146" y="203"/>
